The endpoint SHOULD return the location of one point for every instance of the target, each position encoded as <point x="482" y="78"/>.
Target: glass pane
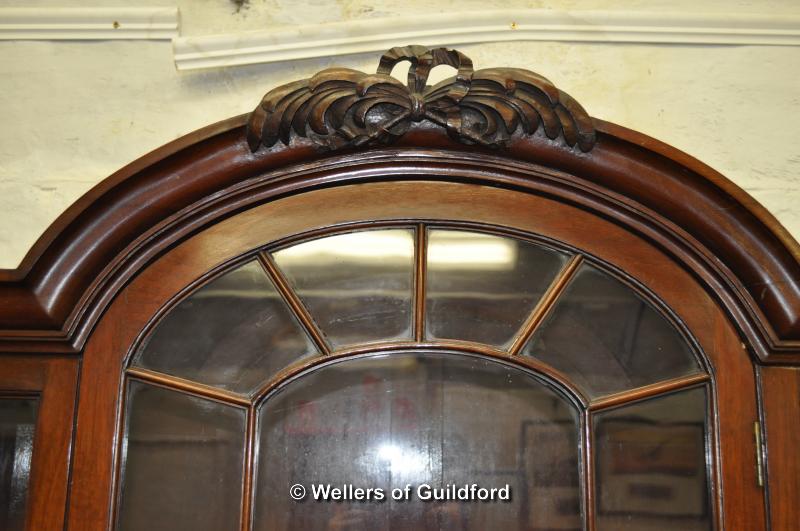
<point x="651" y="465"/>
<point x="357" y="286"/>
<point x="183" y="459"/>
<point x="17" y="426"/>
<point x="234" y="332"/>
<point x="608" y="339"/>
<point x="384" y="422"/>
<point x="482" y="287"/>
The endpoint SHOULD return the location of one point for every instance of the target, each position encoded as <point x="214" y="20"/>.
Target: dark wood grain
<point x="589" y="483"/>
<point x="249" y="469"/>
<point x="780" y="391"/>
<point x="188" y="386"/>
<point x="491" y="209"/>
<point x="340" y="107"/>
<point x="54" y="380"/>
<point x="69" y="276"/>
<point x="648" y="391"/>
<point x="545" y="304"/>
<point x="53" y="301"/>
<point x="500" y="150"/>
<point x="293" y="301"/>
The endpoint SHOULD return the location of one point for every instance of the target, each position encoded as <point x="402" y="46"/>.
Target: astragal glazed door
<point x="371" y="305"/>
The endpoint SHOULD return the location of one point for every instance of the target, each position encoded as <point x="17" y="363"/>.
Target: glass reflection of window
<point x="202" y="388"/>
<point x="358" y="287"/>
<point x="481" y="287"/>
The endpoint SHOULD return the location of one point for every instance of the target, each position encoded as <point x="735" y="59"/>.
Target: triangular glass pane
<point x="608" y="339"/>
<point x="482" y="287"/>
<point x="235" y="333"/>
<point x="357" y="286"/>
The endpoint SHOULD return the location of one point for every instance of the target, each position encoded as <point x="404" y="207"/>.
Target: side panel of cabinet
<point x="52" y="382"/>
<point x="780" y="388"/>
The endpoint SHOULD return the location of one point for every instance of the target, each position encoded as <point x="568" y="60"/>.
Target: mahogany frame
<point x="96" y="277"/>
<point x="283" y="220"/>
<point x="53" y="381"/>
<point x="586" y="407"/>
<point x="748" y="260"/>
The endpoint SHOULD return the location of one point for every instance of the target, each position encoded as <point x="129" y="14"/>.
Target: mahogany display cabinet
<point x="369" y="284"/>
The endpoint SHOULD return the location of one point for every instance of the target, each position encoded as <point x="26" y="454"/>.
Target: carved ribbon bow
<point x="341" y="107"/>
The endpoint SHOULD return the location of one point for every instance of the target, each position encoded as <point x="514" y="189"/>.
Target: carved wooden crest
<point x="340" y="107"/>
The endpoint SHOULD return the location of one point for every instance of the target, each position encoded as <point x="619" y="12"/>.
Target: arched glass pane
<point x="357" y="286"/>
<point x="437" y="419"/>
<point x="183" y="462"/>
<point x="651" y="466"/>
<point x="482" y="287"/>
<point x="608" y="339"/>
<point x="234" y="333"/>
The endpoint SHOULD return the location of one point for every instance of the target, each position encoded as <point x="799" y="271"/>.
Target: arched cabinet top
<point x="504" y="128"/>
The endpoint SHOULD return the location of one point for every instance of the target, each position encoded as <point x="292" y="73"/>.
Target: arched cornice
<point x="739" y="251"/>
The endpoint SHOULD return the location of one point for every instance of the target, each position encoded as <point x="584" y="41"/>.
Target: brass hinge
<point x="759" y="453"/>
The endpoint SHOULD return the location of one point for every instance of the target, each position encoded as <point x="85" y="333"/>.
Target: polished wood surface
<point x="780" y="391"/>
<point x="647" y="391"/>
<point x="54" y="380"/>
<point x="190" y="387"/>
<point x="420" y="280"/>
<point x="294" y="302"/>
<point x="685" y="238"/>
<point x="545" y="305"/>
<point x="340" y="107"/>
<point x="734" y="402"/>
<point x="54" y="299"/>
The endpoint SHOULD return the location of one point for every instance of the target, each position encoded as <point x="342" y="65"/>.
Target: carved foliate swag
<point x="340" y="107"/>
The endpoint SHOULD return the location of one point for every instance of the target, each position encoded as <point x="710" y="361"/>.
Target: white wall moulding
<point x="371" y="35"/>
<point x="88" y="23"/>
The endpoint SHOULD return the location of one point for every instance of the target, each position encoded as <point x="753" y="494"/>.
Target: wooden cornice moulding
<point x="736" y="249"/>
<point x="88" y="23"/>
<point x="470" y="27"/>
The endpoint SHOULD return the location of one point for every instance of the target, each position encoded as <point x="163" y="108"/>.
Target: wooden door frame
<point x="53" y="381"/>
<point x="60" y="299"/>
<point x="204" y="254"/>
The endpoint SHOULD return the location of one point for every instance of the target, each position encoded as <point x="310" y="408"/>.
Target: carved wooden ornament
<point x="340" y="107"/>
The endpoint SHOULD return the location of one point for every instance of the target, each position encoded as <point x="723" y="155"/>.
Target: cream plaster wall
<point x="71" y="113"/>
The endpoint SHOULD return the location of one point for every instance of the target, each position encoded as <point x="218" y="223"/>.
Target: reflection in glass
<point x="419" y="418"/>
<point x="182" y="463"/>
<point x="234" y="332"/>
<point x="482" y="287"/>
<point x="608" y="339"/>
<point x="357" y="286"/>
<point x="651" y="465"/>
<point x="17" y="426"/>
